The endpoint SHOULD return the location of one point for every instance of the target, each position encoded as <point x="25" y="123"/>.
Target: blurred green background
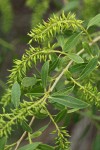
<point x="17" y="18"/>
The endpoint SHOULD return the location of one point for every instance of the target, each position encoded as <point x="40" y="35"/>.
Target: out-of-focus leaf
<point x="71" y="5"/>
<point x="45" y="147"/>
<point x="86" y="47"/>
<point x="3" y="141"/>
<point x="72" y="110"/>
<point x="30" y="146"/>
<point x="96" y="143"/>
<point x="94" y="21"/>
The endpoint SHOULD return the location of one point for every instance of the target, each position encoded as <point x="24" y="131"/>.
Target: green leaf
<point x="39" y="132"/>
<point x="15" y="94"/>
<point x="75" y="58"/>
<point x="30" y="146"/>
<point x="94" y="21"/>
<point x="95" y="50"/>
<point x="86" y="47"/>
<point x="77" y="67"/>
<point x="89" y="68"/>
<point x="72" y="110"/>
<point x="28" y="81"/>
<point x="69" y="101"/>
<point x="26" y="127"/>
<point x="45" y="147"/>
<point x="72" y="42"/>
<point x="3" y="141"/>
<point x="60" y="116"/>
<point x="33" y="95"/>
<point x="44" y="73"/>
<point x="53" y="65"/>
<point x="64" y="91"/>
<point x="61" y="40"/>
<point x="96" y="143"/>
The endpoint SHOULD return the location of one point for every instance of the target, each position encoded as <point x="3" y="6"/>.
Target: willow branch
<point x="69" y="64"/>
<point x="23" y="135"/>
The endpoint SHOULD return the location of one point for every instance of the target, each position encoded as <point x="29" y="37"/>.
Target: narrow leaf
<point x="69" y="101"/>
<point x="75" y="58"/>
<point x="44" y="73"/>
<point x="94" y="21"/>
<point x="26" y="127"/>
<point x="89" y="68"/>
<point x="61" y="40"/>
<point x="77" y="67"/>
<point x="96" y="142"/>
<point x="39" y="132"/>
<point x="64" y="91"/>
<point x="60" y="116"/>
<point x="30" y="146"/>
<point x="45" y="147"/>
<point x="72" y="110"/>
<point x="15" y="94"/>
<point x="3" y="141"/>
<point x="86" y="47"/>
<point x="53" y="65"/>
<point x="33" y="95"/>
<point x="95" y="50"/>
<point x="28" y="81"/>
<point x="72" y="42"/>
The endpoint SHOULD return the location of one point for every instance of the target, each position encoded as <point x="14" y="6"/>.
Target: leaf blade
<point x="75" y="58"/>
<point x="89" y="68"/>
<point x="15" y="94"/>
<point x="30" y="146"/>
<point x="3" y="141"/>
<point x="69" y="101"/>
<point x="44" y="73"/>
<point x="71" y="42"/>
<point x="94" y="21"/>
<point x="28" y="81"/>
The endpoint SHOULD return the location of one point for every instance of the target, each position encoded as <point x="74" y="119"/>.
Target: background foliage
<point x="16" y="20"/>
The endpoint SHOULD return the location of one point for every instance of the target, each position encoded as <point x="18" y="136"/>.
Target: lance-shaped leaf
<point x="77" y="67"/>
<point x="75" y="58"/>
<point x="61" y="40"/>
<point x="94" y="21"/>
<point x="89" y="68"/>
<point x="86" y="47"/>
<point x="45" y="147"/>
<point x="26" y="127"/>
<point x="39" y="132"/>
<point x="69" y="101"/>
<point x="3" y="141"/>
<point x="28" y="81"/>
<point x="72" y="42"/>
<point x="15" y="94"/>
<point x="44" y="73"/>
<point x="60" y="116"/>
<point x="53" y="65"/>
<point x="30" y="146"/>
